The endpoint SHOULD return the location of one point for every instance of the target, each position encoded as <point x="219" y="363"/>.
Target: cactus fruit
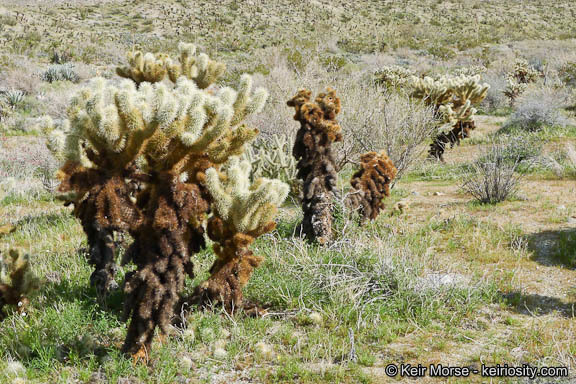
<point x="370" y="185"/>
<point x="242" y="212"/>
<point x="452" y="99"/>
<point x="316" y="164"/>
<point x="135" y="157"/>
<point x="16" y="280"/>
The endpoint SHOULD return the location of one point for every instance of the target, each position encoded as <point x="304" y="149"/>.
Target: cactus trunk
<point x="161" y="252"/>
<point x="316" y="163"/>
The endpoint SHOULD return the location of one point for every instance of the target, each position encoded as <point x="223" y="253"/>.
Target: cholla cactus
<point x="143" y="67"/>
<point x="316" y="164"/>
<point x="272" y="159"/>
<point x="153" y="68"/>
<point x="242" y="212"/>
<point x="453" y="99"/>
<point x="522" y="74"/>
<point x="135" y="159"/>
<point x="393" y="76"/>
<point x="203" y="70"/>
<point x="370" y="185"/>
<point x="16" y="279"/>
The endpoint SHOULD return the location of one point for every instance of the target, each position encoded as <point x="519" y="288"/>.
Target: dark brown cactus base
<point x="161" y="252"/>
<point x="370" y="185"/>
<point x="231" y="271"/>
<point x="101" y="255"/>
<point x="316" y="163"/>
<point x="459" y="132"/>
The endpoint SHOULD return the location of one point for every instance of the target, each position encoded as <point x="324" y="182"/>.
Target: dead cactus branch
<point x="370" y="185"/>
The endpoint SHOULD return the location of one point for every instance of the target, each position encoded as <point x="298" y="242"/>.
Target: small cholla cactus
<point x="272" y="159"/>
<point x="370" y="185"/>
<point x="316" y="163"/>
<point x="242" y="212"/>
<point x="522" y="74"/>
<point x="513" y="90"/>
<point x="453" y="99"/>
<point x="393" y="76"/>
<point x="16" y="279"/>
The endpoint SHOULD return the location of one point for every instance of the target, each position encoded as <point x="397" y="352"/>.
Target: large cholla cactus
<point x="136" y="157"/>
<point x="16" y="280"/>
<point x="242" y="212"/>
<point x="371" y="184"/>
<point x="316" y="164"/>
<point x="453" y="99"/>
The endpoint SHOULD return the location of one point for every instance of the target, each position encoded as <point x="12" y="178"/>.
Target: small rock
<point x="561" y="207"/>
<point x="439" y="194"/>
<point x="415" y="193"/>
<point x="572" y="220"/>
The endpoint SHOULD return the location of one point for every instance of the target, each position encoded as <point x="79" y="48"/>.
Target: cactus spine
<point x="316" y="164"/>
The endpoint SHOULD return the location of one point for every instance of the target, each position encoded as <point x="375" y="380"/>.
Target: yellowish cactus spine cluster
<point x="243" y="205"/>
<point x="143" y="67"/>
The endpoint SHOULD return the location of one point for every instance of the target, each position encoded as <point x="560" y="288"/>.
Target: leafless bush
<point x="495" y="98"/>
<point x="538" y="109"/>
<point x="493" y="177"/>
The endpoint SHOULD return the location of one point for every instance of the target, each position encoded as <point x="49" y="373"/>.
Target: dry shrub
<point x="493" y="177"/>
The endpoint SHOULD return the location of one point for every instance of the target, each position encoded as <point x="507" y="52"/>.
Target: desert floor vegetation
<point x="363" y="245"/>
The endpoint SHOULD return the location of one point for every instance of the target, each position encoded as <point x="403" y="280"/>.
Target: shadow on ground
<point x="538" y="305"/>
<point x="554" y="248"/>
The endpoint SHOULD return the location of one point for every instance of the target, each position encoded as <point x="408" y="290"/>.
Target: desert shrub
<point x="537" y="110"/>
<point x="393" y="76"/>
<point x="523" y="149"/>
<point x="493" y="177"/>
<point x="496" y="98"/>
<point x="60" y="72"/>
<point x="393" y="123"/>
